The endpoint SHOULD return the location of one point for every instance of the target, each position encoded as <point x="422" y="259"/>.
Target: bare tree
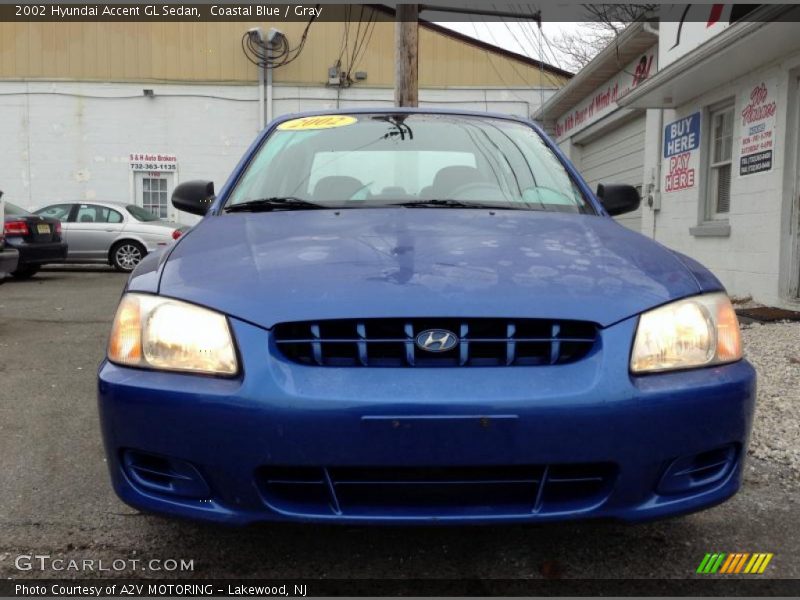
<point x="604" y="22"/>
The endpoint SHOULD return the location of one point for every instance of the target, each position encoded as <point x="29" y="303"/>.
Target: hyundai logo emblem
<point x="436" y="340"/>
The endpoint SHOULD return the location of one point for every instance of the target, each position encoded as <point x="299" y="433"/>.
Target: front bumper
<point x="420" y="445"/>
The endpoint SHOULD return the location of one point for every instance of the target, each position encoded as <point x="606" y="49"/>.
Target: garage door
<point x="617" y="156"/>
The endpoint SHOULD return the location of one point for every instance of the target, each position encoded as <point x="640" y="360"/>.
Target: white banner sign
<point x="681" y="153"/>
<point x="684" y="27"/>
<point x="153" y="162"/>
<point x="757" y="110"/>
<point x="604" y="99"/>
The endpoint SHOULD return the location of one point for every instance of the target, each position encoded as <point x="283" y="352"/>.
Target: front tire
<point x="125" y="256"/>
<point x="25" y="271"/>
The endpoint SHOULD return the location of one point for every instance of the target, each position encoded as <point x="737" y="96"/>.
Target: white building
<point x="710" y="134"/>
<point x="124" y="111"/>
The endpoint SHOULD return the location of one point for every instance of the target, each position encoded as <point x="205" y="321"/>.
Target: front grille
<point x="436" y="491"/>
<point x="392" y="342"/>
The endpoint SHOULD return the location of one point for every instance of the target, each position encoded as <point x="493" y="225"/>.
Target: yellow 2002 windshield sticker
<point x="320" y="122"/>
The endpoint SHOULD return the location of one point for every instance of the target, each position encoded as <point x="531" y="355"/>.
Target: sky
<point x="520" y="37"/>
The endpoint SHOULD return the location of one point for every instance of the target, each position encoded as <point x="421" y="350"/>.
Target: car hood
<point x="268" y="268"/>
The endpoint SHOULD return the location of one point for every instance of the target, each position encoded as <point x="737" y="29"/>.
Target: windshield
<point x="15" y="211"/>
<point x="141" y="214"/>
<point x="383" y="159"/>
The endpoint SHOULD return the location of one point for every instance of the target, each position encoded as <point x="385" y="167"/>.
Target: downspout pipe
<point x="269" y="69"/>
<point x="261" y="69"/>
<point x="272" y="37"/>
<point x="657" y="187"/>
<point x="257" y="35"/>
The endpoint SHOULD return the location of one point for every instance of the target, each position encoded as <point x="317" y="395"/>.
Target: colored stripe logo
<point x="734" y="563"/>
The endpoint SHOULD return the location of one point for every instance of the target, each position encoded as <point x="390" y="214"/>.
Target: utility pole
<point x="406" y="44"/>
<point x="406" y="48"/>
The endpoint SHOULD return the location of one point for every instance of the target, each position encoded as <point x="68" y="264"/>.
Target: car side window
<point x="109" y="215"/>
<point x="57" y="211"/>
<point x="86" y="214"/>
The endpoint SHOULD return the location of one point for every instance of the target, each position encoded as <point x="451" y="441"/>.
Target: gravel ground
<point x="774" y="350"/>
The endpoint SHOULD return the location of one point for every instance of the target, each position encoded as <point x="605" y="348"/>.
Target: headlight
<point x="694" y="332"/>
<point x="162" y="333"/>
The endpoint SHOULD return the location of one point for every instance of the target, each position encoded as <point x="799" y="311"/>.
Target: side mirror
<point x="194" y="196"/>
<point x="618" y="199"/>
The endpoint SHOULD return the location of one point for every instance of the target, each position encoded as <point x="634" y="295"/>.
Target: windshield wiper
<point x="449" y="203"/>
<point x="274" y="203"/>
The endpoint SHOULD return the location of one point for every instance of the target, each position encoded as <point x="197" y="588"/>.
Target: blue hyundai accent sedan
<point x="418" y="316"/>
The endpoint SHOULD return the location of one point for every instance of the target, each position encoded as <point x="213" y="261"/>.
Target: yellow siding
<point x="211" y="51"/>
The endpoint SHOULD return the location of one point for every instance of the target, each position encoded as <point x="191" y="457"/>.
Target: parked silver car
<point x="110" y="232"/>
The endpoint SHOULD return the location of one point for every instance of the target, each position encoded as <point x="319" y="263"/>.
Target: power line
<point x="355" y="42"/>
<point x="522" y="76"/>
<point x="530" y="35"/>
<point x="514" y="35"/>
<point x="360" y="46"/>
<point x="345" y="36"/>
<point x="496" y="70"/>
<point x="553" y="57"/>
<point x="521" y="45"/>
<point x="553" y="53"/>
<point x="368" y="39"/>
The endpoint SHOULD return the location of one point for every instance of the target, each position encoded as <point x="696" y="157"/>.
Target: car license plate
<point x="43" y="228"/>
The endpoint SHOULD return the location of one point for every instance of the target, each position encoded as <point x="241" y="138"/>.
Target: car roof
<point x="383" y="110"/>
<point x="109" y="203"/>
<point x="103" y="202"/>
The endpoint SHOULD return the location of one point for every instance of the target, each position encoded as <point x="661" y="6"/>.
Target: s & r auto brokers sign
<point x="153" y="162"/>
<point x="681" y="144"/>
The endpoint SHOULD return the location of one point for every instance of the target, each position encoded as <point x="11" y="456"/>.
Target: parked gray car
<point x="110" y="232"/>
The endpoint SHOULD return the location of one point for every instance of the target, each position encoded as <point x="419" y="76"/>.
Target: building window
<point x="719" y="163"/>
<point x="154" y="196"/>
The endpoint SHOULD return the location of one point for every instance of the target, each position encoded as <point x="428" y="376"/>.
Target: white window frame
<point x="149" y="194"/>
<point x="713" y="166"/>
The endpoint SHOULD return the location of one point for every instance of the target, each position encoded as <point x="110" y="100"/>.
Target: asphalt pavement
<point x="56" y="500"/>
